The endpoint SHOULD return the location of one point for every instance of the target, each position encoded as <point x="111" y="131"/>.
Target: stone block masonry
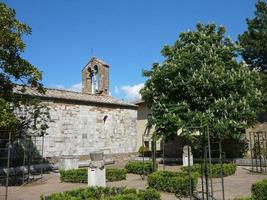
<point x="78" y="129"/>
<point x="87" y="121"/>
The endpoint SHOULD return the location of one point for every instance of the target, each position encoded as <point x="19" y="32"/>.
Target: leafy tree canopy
<point x="13" y="68"/>
<point x="201" y="82"/>
<point x="254" y="42"/>
<point x="7" y="117"/>
<point x="16" y="70"/>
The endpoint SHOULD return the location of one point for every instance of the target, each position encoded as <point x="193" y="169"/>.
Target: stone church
<point x="90" y="120"/>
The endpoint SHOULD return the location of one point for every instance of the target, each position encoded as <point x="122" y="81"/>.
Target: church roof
<point x="139" y="102"/>
<point x="74" y="96"/>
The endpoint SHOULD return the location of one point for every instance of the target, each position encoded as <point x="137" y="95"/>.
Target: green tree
<point x="7" y="117"/>
<point x="15" y="70"/>
<point x="201" y="82"/>
<point x="254" y="43"/>
<point x="254" y="40"/>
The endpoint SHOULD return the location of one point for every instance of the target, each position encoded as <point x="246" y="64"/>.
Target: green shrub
<point x="175" y="182"/>
<point x="122" y="197"/>
<point x="149" y="194"/>
<point x="229" y="169"/>
<point x="259" y="190"/>
<point x="99" y="193"/>
<point x="80" y="175"/>
<point x="137" y="167"/>
<point x="116" y="174"/>
<point x="214" y="170"/>
<point x="74" y="175"/>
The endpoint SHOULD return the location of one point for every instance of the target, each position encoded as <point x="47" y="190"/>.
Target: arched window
<point x="96" y="79"/>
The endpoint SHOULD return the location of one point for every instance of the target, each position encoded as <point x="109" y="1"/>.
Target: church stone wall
<point x="80" y="129"/>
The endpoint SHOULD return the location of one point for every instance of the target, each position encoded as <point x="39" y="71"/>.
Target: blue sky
<point x="127" y="34"/>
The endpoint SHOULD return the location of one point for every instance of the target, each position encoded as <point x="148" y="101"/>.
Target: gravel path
<point x="237" y="185"/>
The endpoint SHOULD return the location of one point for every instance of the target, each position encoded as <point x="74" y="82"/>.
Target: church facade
<point x="91" y="120"/>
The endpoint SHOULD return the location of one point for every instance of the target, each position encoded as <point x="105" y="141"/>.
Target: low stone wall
<point x="249" y="162"/>
<point x="117" y="159"/>
<point x="121" y="159"/>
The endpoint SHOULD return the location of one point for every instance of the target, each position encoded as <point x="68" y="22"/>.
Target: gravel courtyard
<point x="237" y="185"/>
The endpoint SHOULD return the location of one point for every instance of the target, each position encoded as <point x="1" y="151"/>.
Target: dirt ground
<point x="237" y="185"/>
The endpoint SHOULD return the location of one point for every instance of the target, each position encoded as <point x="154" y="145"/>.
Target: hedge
<point x="175" y="182"/>
<point x="80" y="175"/>
<point x="259" y="190"/>
<point x="214" y="169"/>
<point x="100" y="193"/>
<point x="116" y="174"/>
<point x="136" y="167"/>
<point x="74" y="175"/>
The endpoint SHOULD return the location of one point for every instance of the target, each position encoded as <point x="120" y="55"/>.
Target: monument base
<point x="97" y="177"/>
<point x="68" y="162"/>
<point x="185" y="161"/>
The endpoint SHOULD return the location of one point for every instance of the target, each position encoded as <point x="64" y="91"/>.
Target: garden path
<point x="237" y="185"/>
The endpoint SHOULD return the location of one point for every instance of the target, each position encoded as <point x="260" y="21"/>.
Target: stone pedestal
<point x="97" y="170"/>
<point x="68" y="162"/>
<point x="97" y="177"/>
<point x="187" y="154"/>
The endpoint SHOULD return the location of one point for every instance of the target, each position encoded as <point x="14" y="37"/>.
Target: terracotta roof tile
<point x="75" y="96"/>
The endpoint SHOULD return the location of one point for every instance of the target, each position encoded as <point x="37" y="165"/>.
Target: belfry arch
<point x="95" y="77"/>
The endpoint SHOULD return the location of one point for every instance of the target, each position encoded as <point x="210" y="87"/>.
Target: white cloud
<point x="75" y="87"/>
<point x="131" y="92"/>
<point x="117" y="90"/>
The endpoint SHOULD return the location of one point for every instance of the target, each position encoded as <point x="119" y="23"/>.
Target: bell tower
<point x="95" y="77"/>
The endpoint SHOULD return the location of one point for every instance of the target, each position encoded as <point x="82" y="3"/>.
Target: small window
<point x="146" y="144"/>
<point x="105" y="118"/>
